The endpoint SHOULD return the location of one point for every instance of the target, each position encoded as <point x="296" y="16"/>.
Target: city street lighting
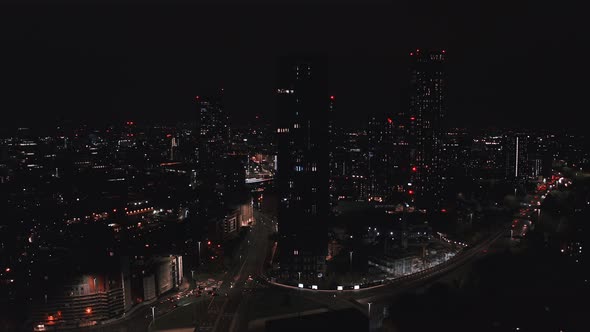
<point x="351" y="262"/>
<point x="153" y="315"/>
<point x="199" y="245"/>
<point x="299" y="273"/>
<point x="369" y="311"/>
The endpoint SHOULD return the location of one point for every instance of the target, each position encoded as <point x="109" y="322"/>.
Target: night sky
<point x="510" y="63"/>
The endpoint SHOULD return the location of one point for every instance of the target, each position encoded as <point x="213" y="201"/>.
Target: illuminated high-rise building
<point x="303" y="164"/>
<point x="426" y="113"/>
<point x="213" y="134"/>
<point x="517" y="159"/>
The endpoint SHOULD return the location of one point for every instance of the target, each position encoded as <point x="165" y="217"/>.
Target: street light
<point x="153" y="315"/>
<point x="351" y="262"/>
<point x="299" y="273"/>
<point x="369" y="311"/>
<point x="199" y="244"/>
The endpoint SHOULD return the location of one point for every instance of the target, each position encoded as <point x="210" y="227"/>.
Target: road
<point x="232" y="316"/>
<point x="140" y="318"/>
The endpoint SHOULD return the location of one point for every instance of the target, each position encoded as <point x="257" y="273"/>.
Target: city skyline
<point x="315" y="166"/>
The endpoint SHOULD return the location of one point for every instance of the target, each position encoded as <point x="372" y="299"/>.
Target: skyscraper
<point x="336" y="151"/>
<point x="387" y="156"/>
<point x="380" y="153"/>
<point x="303" y="164"/>
<point x="212" y="138"/>
<point x="427" y="108"/>
<point x="517" y="161"/>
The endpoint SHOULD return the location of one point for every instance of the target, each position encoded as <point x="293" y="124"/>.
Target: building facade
<point x="303" y="164"/>
<point x="427" y="111"/>
<point x="212" y="137"/>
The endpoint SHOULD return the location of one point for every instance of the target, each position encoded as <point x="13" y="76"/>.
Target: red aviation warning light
<point x="411" y="192"/>
<point x="389" y="120"/>
<point x="332" y="97"/>
<point x="414" y="168"/>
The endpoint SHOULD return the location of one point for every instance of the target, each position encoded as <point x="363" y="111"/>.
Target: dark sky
<point x="511" y="63"/>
